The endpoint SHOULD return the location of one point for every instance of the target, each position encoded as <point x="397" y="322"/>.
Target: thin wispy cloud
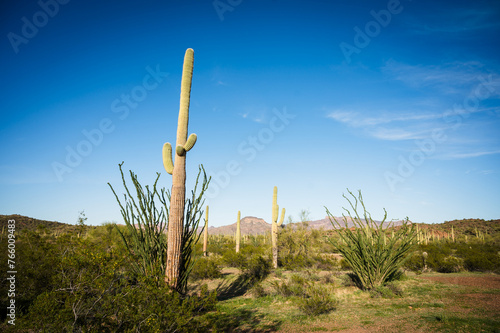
<point x="357" y="119"/>
<point x="397" y="134"/>
<point x="451" y="78"/>
<point x="472" y="154"/>
<point x="389" y="126"/>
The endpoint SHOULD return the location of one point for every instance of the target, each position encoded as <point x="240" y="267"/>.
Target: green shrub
<point x="415" y="262"/>
<point x="205" y="268"/>
<point x="317" y="301"/>
<point x="257" y="268"/>
<point x="129" y="308"/>
<point x="451" y="264"/>
<point x="480" y="257"/>
<point x="232" y="259"/>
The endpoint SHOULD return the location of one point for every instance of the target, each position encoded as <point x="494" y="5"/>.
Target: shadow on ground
<point x="238" y="287"/>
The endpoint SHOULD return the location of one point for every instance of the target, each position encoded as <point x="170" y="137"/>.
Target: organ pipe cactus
<point x="238" y="233"/>
<point x="275" y="225"/>
<point x="177" y="169"/>
<point x="205" y="234"/>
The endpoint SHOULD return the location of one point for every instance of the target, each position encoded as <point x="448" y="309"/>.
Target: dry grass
<point x="426" y="306"/>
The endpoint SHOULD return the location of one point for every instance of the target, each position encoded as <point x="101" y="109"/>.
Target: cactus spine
<point x="275" y="225"/>
<point x="178" y="171"/>
<point x="238" y="233"/>
<point x="205" y="234"/>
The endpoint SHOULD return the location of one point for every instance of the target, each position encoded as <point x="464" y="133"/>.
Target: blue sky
<point x="400" y="99"/>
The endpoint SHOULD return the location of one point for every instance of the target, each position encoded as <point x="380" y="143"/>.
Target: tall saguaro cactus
<point x="238" y="233"/>
<point x="205" y="234"/>
<point x="275" y="225"/>
<point x="178" y="171"/>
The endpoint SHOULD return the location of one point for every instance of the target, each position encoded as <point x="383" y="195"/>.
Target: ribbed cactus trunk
<point x="274" y="226"/>
<point x="178" y="171"/>
<point x="205" y="235"/>
<point x="238" y="233"/>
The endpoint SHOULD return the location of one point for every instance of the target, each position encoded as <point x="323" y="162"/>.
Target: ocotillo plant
<point x="275" y="225"/>
<point x="372" y="260"/>
<point x="178" y="171"/>
<point x="238" y="233"/>
<point x="205" y="234"/>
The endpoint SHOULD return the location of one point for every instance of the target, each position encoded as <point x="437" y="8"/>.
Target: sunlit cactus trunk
<point x="205" y="234"/>
<point x="274" y="226"/>
<point x="238" y="233"/>
<point x="178" y="171"/>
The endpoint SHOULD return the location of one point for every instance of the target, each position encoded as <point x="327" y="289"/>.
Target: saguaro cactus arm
<point x="167" y="158"/>
<point x="282" y="218"/>
<point x="276" y="208"/>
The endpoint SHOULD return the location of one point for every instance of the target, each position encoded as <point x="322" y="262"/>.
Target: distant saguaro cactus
<point x="275" y="225"/>
<point x="238" y="233"/>
<point x="205" y="234"/>
<point x="178" y="171"/>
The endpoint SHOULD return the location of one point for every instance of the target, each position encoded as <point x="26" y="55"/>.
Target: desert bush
<point x="37" y="257"/>
<point x="234" y="259"/>
<point x="205" y="268"/>
<point x="317" y="301"/>
<point x="480" y="257"/>
<point x="257" y="268"/>
<point x="82" y="286"/>
<point x="415" y="262"/>
<point x="126" y="308"/>
<point x="373" y="256"/>
<point x="312" y="299"/>
<point x="448" y="257"/>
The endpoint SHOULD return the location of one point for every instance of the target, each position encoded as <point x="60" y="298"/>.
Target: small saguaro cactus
<point x="238" y="233"/>
<point x="275" y="225"/>
<point x="178" y="171"/>
<point x="205" y="234"/>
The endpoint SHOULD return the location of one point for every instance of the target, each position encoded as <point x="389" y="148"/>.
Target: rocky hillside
<point x="250" y="225"/>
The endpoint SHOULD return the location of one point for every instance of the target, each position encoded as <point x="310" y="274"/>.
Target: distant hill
<point x="249" y="225"/>
<point x="29" y="223"/>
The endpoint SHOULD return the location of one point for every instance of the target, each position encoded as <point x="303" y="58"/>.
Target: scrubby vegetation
<point x="89" y="283"/>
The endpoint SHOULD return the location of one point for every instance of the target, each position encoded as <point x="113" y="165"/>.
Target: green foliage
<point x="415" y="262"/>
<point x="448" y="257"/>
<point x="311" y="298"/>
<point x="234" y="259"/>
<point x="317" y="301"/>
<point x="205" y="268"/>
<point x="373" y="256"/>
<point x="146" y="224"/>
<point x="72" y="284"/>
<point x="257" y="268"/>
